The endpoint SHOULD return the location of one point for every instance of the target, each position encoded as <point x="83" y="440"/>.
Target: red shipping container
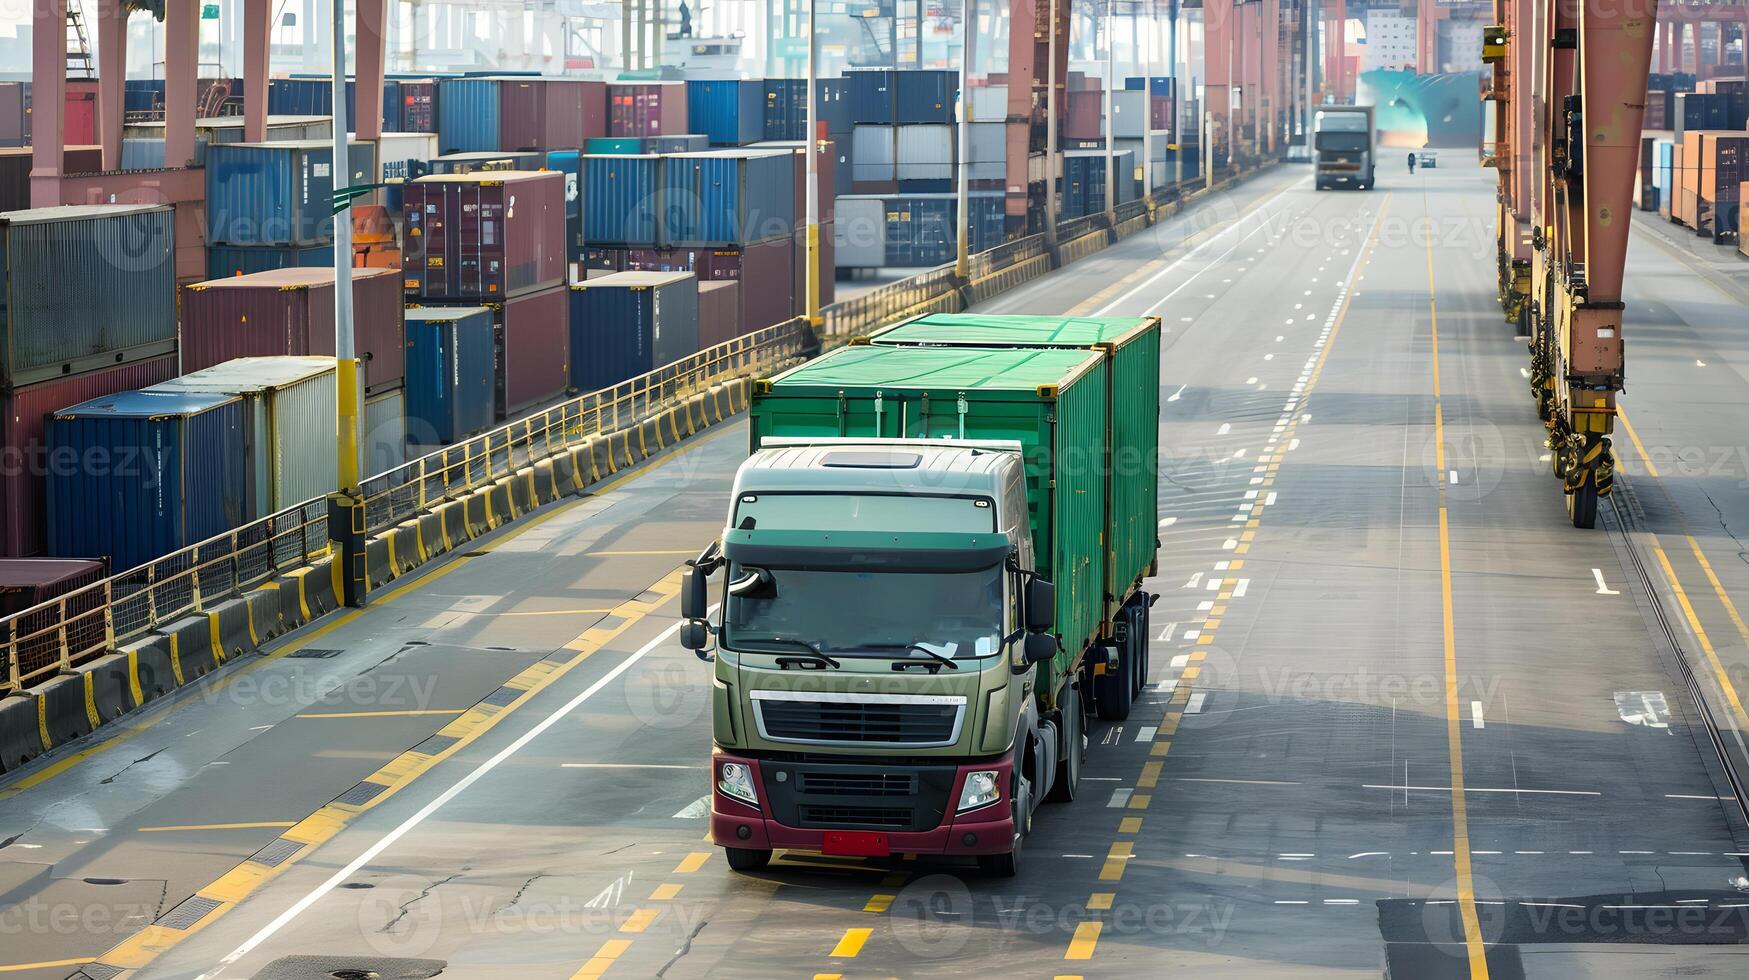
<point x="767" y="275"/>
<point x="549" y="113"/>
<point x="485" y="235"/>
<point x="419" y="106"/>
<point x="534" y="342"/>
<point x="291" y="312"/>
<point x="1084" y="115"/>
<point x="646" y="109"/>
<point x="81" y="117"/>
<point x="27" y="582"/>
<point x="719" y="312"/>
<point x="23" y="510"/>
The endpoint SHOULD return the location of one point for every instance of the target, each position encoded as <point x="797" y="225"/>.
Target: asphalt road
<point x="1403" y="720"/>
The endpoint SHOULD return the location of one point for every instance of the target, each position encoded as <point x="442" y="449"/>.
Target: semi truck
<point x="1346" y="145"/>
<point x="931" y="575"/>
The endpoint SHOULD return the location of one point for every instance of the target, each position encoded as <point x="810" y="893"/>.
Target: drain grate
<point x="435" y="744"/>
<point x="501" y="697"/>
<point x="97" y="971"/>
<point x="312" y="653"/>
<point x="275" y="853"/>
<point x="192" y="910"/>
<point x="361" y="794"/>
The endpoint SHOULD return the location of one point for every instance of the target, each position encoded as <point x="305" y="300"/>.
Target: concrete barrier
<point x="520" y="486"/>
<point x="108" y="688"/>
<point x="500" y="507"/>
<point x="64" y="712"/>
<point x="475" y="513"/>
<point x="452" y="524"/>
<point x="21" y="737"/>
<point x="601" y="461"/>
<point x="150" y="675"/>
<point x="552" y="478"/>
<point x="191" y="648"/>
<point x="376" y="562"/>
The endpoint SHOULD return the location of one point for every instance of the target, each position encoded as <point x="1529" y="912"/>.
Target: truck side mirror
<point x="695" y="635"/>
<point x="1039" y="647"/>
<point x="694" y="595"/>
<point x="1041" y="604"/>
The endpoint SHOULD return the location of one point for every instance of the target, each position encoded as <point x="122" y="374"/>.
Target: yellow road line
<point x="665" y="892"/>
<point x="611" y="950"/>
<point x="44" y="965"/>
<point x="1706" y="643"/>
<point x="640" y="920"/>
<point x="216" y="826"/>
<point x="1466" y="884"/>
<point x="1086" y="938"/>
<point x="879" y="903"/>
<point x="383" y="714"/>
<point x="692" y="862"/>
<point x="851" y="943"/>
<point x="1116" y="860"/>
<point x="1129" y="825"/>
<point x="1628" y="427"/>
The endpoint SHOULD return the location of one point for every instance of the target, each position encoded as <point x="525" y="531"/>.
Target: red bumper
<point x="986" y="830"/>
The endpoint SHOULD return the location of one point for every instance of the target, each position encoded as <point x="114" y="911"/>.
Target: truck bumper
<point x="986" y="830"/>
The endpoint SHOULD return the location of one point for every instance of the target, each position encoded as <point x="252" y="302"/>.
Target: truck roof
<point x="1038" y="372"/>
<point x="976" y="329"/>
<point x="916" y="467"/>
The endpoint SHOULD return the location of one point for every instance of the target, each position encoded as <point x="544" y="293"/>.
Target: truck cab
<point x="1345" y="147"/>
<point x="875" y="627"/>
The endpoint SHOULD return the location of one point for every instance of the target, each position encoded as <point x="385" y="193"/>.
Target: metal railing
<point x="914" y="294"/>
<point x="72" y="629"/>
<point x="1070" y="229"/>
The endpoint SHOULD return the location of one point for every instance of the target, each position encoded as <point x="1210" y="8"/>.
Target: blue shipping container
<point x="631" y="323"/>
<point x="1084" y="181"/>
<point x="315" y="97"/>
<point x="786" y="108"/>
<point x="467" y="115"/>
<point x="158" y="471"/>
<point x="926" y="96"/>
<point x="834" y="107"/>
<point x="922" y="229"/>
<point x="570" y="163"/>
<point x="224" y="261"/>
<point x="728" y="111"/>
<point x="872" y="95"/>
<point x="276" y="193"/>
<point x="624" y="195"/>
<point x="450" y="375"/>
<point x="728" y="197"/>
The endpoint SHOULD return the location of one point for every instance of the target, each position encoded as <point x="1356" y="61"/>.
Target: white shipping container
<point x="874" y="154"/>
<point x="1162" y="173"/>
<point x="397" y="152"/>
<point x="989" y="104"/>
<point x="926" y="152"/>
<point x="384" y="443"/>
<point x="988" y="151"/>
<point x="859" y="233"/>
<point x="292" y="415"/>
<point x="1129" y="113"/>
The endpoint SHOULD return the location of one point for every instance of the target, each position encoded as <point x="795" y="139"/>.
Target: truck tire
<point x="1113" y="690"/>
<point x="1068" y="782"/>
<point x="1000" y="865"/>
<point x="746" y="858"/>
<point x="1139" y="633"/>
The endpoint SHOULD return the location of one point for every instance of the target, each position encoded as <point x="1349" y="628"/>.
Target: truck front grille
<point x="891" y="719"/>
<point x="855" y="784"/>
<point x="862" y="817"/>
<point x="858" y="796"/>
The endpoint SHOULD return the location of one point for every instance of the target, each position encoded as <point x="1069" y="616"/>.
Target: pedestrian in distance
<point x="1411" y="161"/>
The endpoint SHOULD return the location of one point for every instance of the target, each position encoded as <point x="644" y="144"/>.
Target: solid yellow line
<point x="217" y="826"/>
<point x="1086" y="937"/>
<point x="1706" y="643"/>
<point x="1460" y="821"/>
<point x="851" y="943"/>
<point x="383" y="714"/>
<point x="44" y="965"/>
<point x="692" y="862"/>
<point x="1640" y="447"/>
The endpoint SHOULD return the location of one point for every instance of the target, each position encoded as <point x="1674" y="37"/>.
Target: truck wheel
<point x="1139" y="635"/>
<point x="1000" y="865"/>
<point x="1068" y="781"/>
<point x="1112" y="689"/>
<point x="746" y="858"/>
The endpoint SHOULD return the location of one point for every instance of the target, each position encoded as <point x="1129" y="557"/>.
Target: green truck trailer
<point x="932" y="571"/>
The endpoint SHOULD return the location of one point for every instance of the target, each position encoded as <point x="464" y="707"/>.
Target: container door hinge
<point x="880" y="407"/>
<point x="962" y="407"/>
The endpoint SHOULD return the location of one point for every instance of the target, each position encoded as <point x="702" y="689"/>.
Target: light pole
<point x="1051" y="134"/>
<point x="1110" y="108"/>
<point x="811" y="147"/>
<point x="962" y="265"/>
<point x="348" y="387"/>
<point x="1148" y="104"/>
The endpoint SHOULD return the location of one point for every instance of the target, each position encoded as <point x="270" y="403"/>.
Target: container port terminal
<point x="1063" y="490"/>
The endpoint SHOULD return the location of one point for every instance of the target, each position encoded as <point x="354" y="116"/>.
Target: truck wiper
<point x="951" y="665"/>
<point x="814" y="653"/>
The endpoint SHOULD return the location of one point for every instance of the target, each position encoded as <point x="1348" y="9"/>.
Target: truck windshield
<point x="875" y="614"/>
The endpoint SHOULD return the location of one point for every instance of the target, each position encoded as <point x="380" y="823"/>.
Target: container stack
<point x="629" y="324"/>
<point x="88" y="306"/>
<point x="646" y="109"/>
<point x="728" y="112"/>
<point x="497" y="240"/>
<point x="913" y="230"/>
<point x="1084" y="181"/>
<point x="494" y="114"/>
<point x="451" y="386"/>
<point x="268" y="204"/>
<point x="902" y="136"/>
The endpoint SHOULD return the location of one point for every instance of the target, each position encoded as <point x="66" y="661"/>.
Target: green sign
<point x="209" y="11"/>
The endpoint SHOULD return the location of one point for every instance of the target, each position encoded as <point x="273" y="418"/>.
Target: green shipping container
<point x="1132" y="346"/>
<point x="1053" y="402"/>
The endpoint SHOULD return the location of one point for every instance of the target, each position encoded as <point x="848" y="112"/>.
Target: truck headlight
<point x="736" y="781"/>
<point x="981" y="789"/>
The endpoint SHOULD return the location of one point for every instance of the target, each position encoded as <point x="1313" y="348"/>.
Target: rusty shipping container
<point x="484" y="236"/>
<point x="1084" y="115"/>
<point x="85" y="287"/>
<point x="28" y="582"/>
<point x="646" y="108"/>
<point x="291" y="312"/>
<point x="719" y="312"/>
<point x="549" y="113"/>
<point x="531" y="349"/>
<point x="23" y="511"/>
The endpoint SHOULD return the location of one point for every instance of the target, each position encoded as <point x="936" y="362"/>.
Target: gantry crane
<point x="1569" y="89"/>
